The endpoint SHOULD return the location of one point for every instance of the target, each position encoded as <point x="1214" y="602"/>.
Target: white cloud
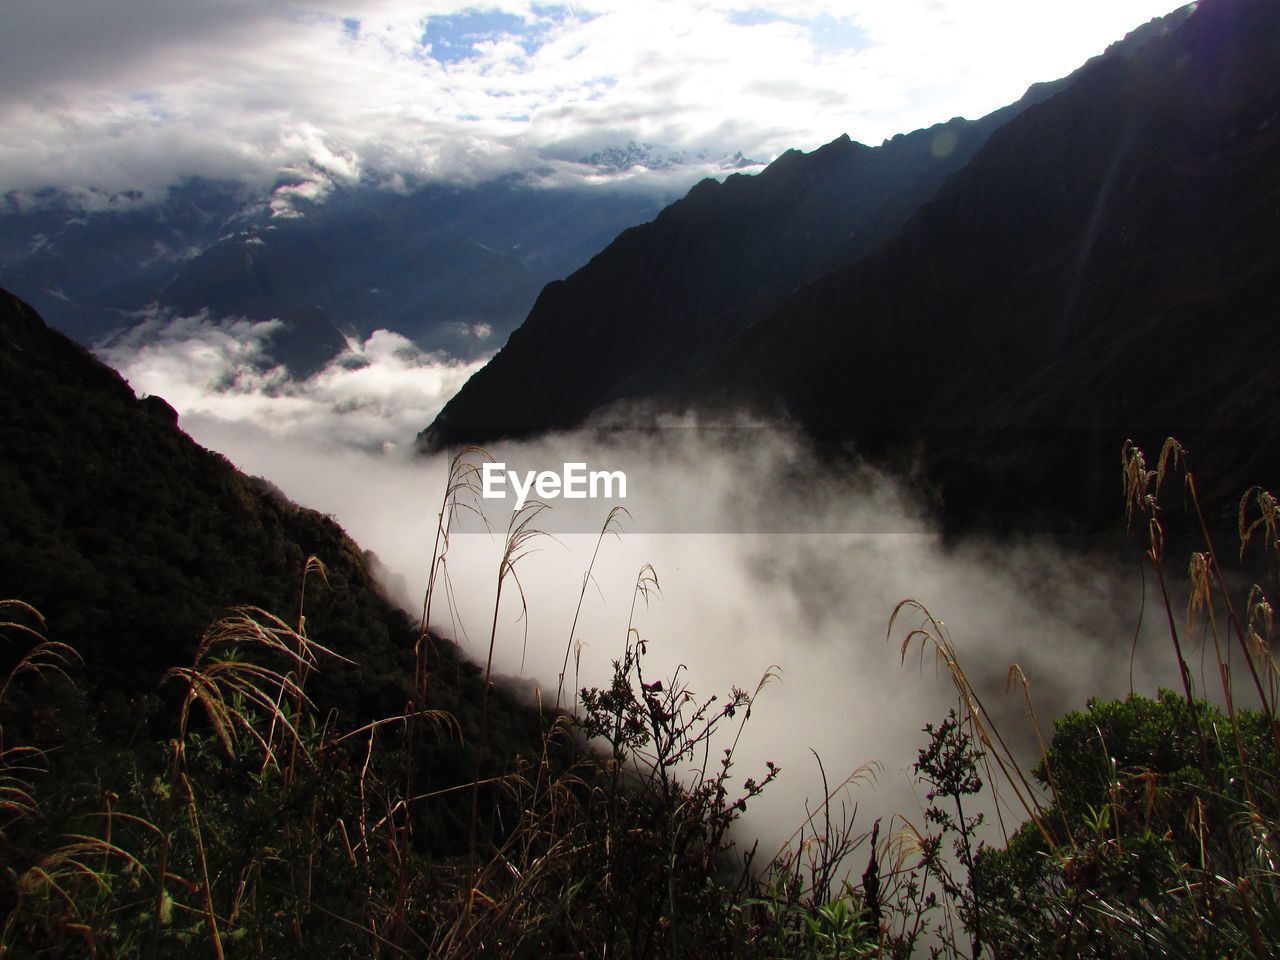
<point x="736" y="599"/>
<point x="735" y="604"/>
<point x="377" y="393"/>
<point x="137" y="93"/>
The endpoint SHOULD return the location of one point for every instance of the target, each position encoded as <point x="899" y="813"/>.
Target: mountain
<point x="638" y="319"/>
<point x="130" y="539"/>
<point x="654" y="156"/>
<point x="86" y="260"/>
<point x="707" y="266"/>
<point x="1105" y="264"/>
<point x="451" y="267"/>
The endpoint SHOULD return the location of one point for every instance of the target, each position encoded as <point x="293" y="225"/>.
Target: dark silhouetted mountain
<point x="637" y="319"/>
<point x="130" y="538"/>
<point x="1107" y="264"/>
<point x="709" y="265"/>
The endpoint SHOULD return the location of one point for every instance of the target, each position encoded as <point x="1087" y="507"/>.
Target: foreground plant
<point x="272" y="830"/>
<point x="1154" y="828"/>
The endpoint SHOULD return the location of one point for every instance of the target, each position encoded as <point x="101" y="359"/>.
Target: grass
<point x="261" y="827"/>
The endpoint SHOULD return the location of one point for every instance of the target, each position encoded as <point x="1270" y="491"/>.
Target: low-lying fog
<point x="765" y="562"/>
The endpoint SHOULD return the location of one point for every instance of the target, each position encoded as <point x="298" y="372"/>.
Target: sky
<point x="136" y="94"/>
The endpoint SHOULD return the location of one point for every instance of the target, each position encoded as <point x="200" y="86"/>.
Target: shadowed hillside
<point x="639" y="320"/>
<point x="1104" y="264"/>
<point x="630" y="322"/>
<point x="1108" y="265"/>
<point x="131" y="539"/>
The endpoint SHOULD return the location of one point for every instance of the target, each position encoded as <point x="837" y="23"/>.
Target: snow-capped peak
<point x="655" y="156"/>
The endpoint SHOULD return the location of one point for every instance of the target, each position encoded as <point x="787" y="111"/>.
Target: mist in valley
<point x="768" y="563"/>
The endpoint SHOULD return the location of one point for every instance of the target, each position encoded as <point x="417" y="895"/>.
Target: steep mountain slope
<point x="635" y="320"/>
<point x="708" y="265"/>
<point x="131" y="539"/>
<point x="1108" y="265"/>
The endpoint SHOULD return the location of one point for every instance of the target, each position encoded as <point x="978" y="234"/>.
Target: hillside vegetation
<point x="310" y="775"/>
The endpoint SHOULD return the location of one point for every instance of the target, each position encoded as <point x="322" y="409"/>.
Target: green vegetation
<point x="254" y="824"/>
<point x="326" y="779"/>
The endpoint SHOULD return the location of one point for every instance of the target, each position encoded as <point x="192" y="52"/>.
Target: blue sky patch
<point x="756" y="17"/>
<point x="827" y="33"/>
<point x="831" y="35"/>
<point x="454" y="38"/>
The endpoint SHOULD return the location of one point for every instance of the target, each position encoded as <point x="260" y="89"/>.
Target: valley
<point x="846" y="597"/>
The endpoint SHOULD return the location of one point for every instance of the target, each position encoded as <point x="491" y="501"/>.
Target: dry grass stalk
<point x="612" y="525"/>
<point x="933" y="633"/>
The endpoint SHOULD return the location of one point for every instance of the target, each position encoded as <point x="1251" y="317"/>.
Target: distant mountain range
<point x="454" y="268"/>
<point x="653" y="156"/>
<point x="1000" y="302"/>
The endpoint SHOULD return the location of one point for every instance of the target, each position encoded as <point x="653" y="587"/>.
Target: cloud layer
<point x="376" y="394"/>
<point x="812" y="606"/>
<point x="138" y="93"/>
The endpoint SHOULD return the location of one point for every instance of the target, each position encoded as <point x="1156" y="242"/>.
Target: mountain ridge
<point x="435" y="263"/>
<point x="1117" y="202"/>
<point x="130" y="539"/>
<point x="1095" y="217"/>
<point x="642" y="314"/>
